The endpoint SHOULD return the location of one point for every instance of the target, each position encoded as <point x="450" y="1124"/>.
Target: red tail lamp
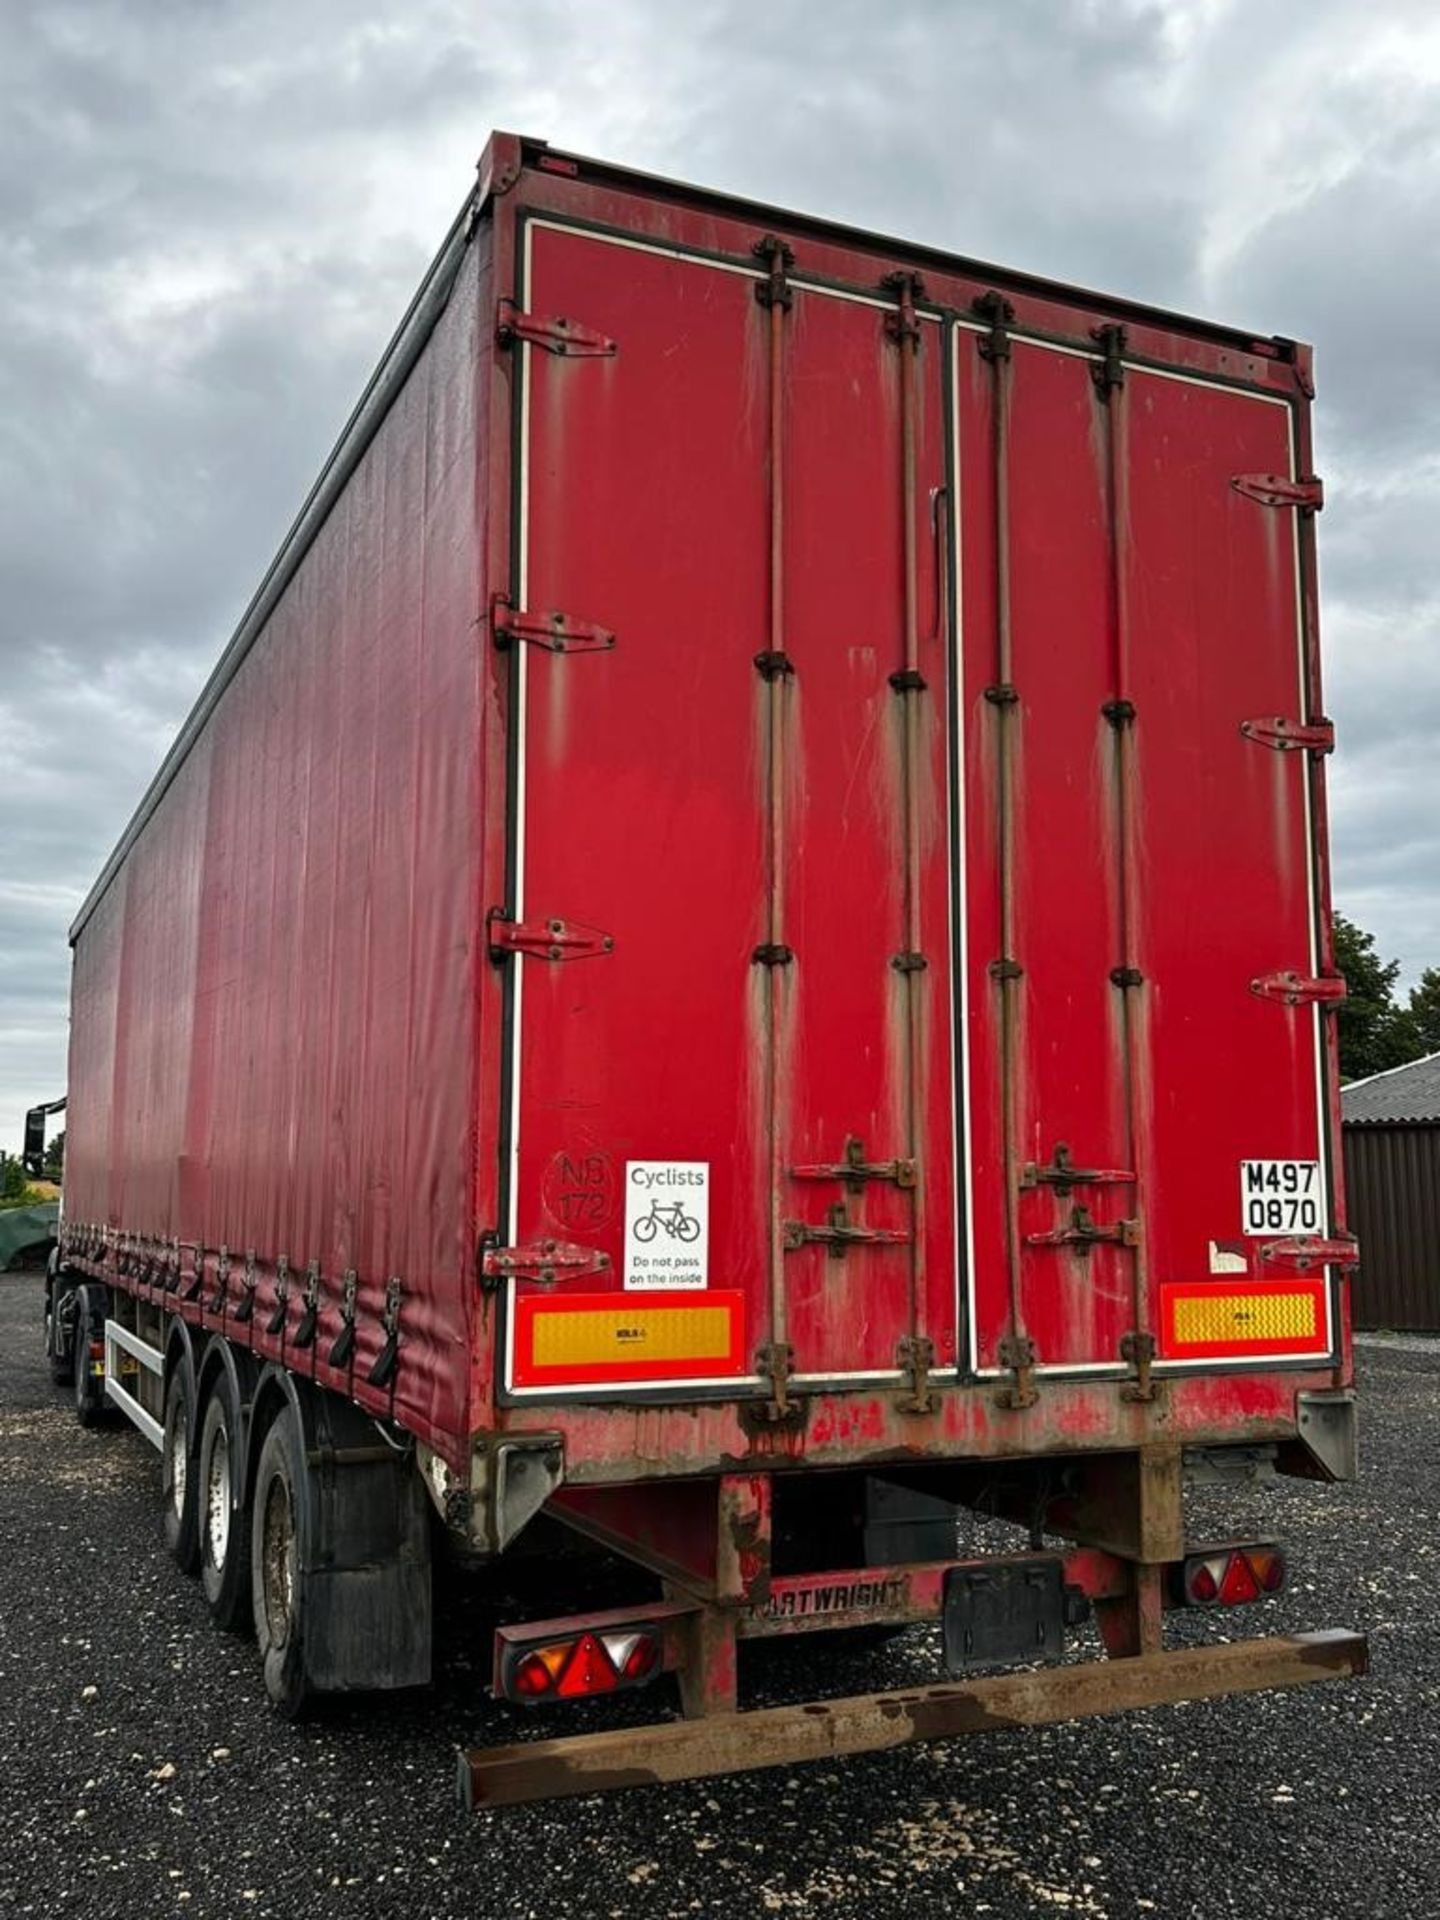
<point x="582" y="1665"/>
<point x="1231" y="1576"/>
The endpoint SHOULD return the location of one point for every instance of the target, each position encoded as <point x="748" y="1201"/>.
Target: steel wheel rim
<point x="217" y="1498"/>
<point x="277" y="1561"/>
<point x="177" y="1449"/>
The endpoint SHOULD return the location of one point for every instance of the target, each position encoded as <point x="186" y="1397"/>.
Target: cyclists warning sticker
<point x="667" y="1223"/>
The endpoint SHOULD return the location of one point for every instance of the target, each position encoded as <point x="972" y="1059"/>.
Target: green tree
<point x="1424" y="1011"/>
<point x="54" y="1162"/>
<point x="1375" y="1032"/>
<point x="14" y="1187"/>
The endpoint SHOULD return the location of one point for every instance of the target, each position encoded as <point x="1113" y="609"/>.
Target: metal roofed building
<point x="1392" y="1179"/>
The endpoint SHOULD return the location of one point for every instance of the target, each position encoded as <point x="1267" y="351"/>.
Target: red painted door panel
<point x="845" y="1034"/>
<point x="1202" y="583"/>
<point x="645" y="511"/>
<point x="1068" y="1096"/>
<point x="645" y="804"/>
<point x="1226" y="894"/>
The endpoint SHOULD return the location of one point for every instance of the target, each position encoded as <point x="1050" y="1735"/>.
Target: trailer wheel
<point x="177" y="1475"/>
<point x="223" y="1517"/>
<point x="277" y="1566"/>
<point x="90" y="1406"/>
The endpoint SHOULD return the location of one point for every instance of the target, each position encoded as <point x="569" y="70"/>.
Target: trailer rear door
<point x="719" y="1094"/>
<point x="1154" y="612"/>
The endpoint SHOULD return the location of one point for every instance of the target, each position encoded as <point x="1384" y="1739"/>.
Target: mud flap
<point x="369" y="1624"/>
<point x="367" y="1555"/>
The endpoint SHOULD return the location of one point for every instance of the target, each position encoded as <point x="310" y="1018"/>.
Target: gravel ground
<point x="144" y="1776"/>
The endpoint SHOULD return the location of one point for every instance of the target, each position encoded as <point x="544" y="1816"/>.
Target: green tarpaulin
<point x="26" y="1233"/>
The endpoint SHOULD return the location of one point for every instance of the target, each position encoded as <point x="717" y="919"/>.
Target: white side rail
<point x="120" y="1340"/>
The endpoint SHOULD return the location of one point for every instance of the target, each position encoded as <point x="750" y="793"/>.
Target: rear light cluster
<point x="582" y="1665"/>
<point x="1231" y="1576"/>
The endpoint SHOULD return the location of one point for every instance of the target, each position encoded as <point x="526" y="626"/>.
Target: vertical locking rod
<point x="1018" y="1352"/>
<point x="1138" y="1345"/>
<point x="773" y="294"/>
<point x="903" y="327"/>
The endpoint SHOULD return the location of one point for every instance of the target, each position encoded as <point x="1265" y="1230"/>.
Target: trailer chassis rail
<point x="875" y="1722"/>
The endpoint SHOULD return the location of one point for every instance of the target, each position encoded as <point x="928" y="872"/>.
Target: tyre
<point x="60" y="1329"/>
<point x="278" y="1515"/>
<point x="644" y="1228"/>
<point x="90" y="1403"/>
<point x="224" y="1518"/>
<point x="177" y="1470"/>
<point x="689" y="1229"/>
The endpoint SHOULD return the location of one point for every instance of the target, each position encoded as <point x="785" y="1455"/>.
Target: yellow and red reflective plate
<point x="615" y="1339"/>
<point x="1244" y="1320"/>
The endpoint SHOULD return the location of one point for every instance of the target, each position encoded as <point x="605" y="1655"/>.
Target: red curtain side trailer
<point x="738" y="951"/>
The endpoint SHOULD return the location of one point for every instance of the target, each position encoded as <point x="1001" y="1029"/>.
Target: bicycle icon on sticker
<point x="673" y="1218"/>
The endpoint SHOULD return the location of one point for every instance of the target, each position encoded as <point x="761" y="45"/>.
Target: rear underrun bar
<point x="875" y="1722"/>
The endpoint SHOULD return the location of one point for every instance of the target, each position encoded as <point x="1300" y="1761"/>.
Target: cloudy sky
<point x="213" y="211"/>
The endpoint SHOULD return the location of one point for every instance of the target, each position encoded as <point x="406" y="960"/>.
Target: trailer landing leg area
<point x="872" y="1722"/>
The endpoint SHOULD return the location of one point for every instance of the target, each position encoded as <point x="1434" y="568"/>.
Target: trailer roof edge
<point x="924" y="254"/>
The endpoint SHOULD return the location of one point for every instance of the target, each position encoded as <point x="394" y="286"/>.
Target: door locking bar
<point x="839" y="1232"/>
<point x="1062" y="1175"/>
<point x="854" y="1170"/>
<point x="1082" y="1232"/>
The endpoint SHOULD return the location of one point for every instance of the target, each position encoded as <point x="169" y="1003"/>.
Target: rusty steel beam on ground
<point x="873" y="1722"/>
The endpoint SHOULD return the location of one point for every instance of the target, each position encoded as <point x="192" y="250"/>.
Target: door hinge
<point x="547" y="939"/>
<point x="1082" y="1233"/>
<point x="545" y="1261"/>
<point x="775" y="1362"/>
<point x="915" y="1356"/>
<point x="1291" y="736"/>
<point x="1303" y="1252"/>
<point x="1062" y="1175"/>
<point x="555" y="632"/>
<point x="855" y="1169"/>
<point x="1278" y="490"/>
<point x="1017" y="1354"/>
<point x="1296" y="989"/>
<point x="838" y="1233"/>
<point x="553" y="332"/>
<point x="1137" y="1350"/>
